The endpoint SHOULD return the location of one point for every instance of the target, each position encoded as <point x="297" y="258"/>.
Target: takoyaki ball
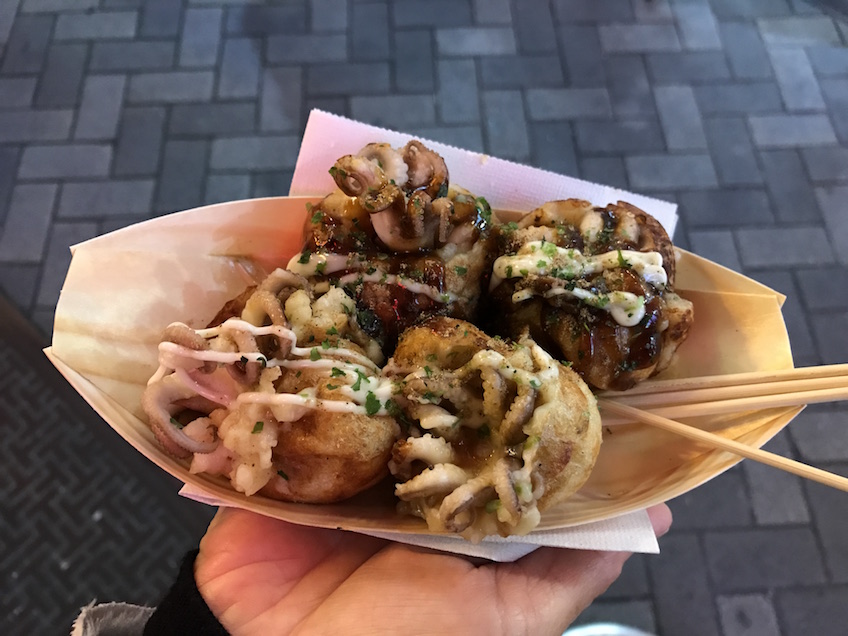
<point x="595" y="286"/>
<point x="498" y="431"/>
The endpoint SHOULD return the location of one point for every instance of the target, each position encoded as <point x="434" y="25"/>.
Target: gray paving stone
<point x="226" y="187"/>
<point x="671" y="172"/>
<point x="698" y="27"/>
<point x="553" y="147"/>
<point x="691" y="67"/>
<point x="732" y="151"/>
<point x="784" y="247"/>
<point x="836" y="96"/>
<point x="65" y="162"/>
<point x="818" y="433"/>
<point x="716" y="245"/>
<point x="795" y="317"/>
<point x="796" y="79"/>
<point x="826" y="163"/>
<point x="791" y="191"/>
<point x="137" y="55"/>
<point x="96" y="26"/>
<point x="568" y="103"/>
<point x="26" y="47"/>
<point x="100" y="109"/>
<point x="720" y="503"/>
<point x="680" y="118"/>
<point x="369" y="32"/>
<point x="394" y="111"/>
<point x="629" y="86"/>
<point x="520" y="71"/>
<point x="8" y="11"/>
<point x="160" y="18"/>
<point x="595" y="137"/>
<point x="591" y="11"/>
<point x="465" y="41"/>
<point x="261" y="20"/>
<point x="35" y="125"/>
<point x="51" y="6"/>
<point x="506" y="129"/>
<point x="8" y="169"/>
<point x="633" y="581"/>
<point x="139" y="141"/>
<point x="638" y="38"/>
<point x="831" y="517"/>
<point x="813" y="611"/>
<point x="171" y="87"/>
<point x="817" y="286"/>
<point x="240" y="68"/>
<point x="335" y="105"/>
<point x="61" y="79"/>
<point x="636" y="614"/>
<point x="747" y="615"/>
<point x="798" y="31"/>
<point x="432" y="13"/>
<point x="271" y="184"/>
<point x="776" y="496"/>
<point x="16" y="92"/>
<point x="282" y="99"/>
<point x="291" y="49"/>
<point x="201" y="36"/>
<point x="582" y="56"/>
<point x="24" y="233"/>
<point x="254" y="153"/>
<point x="732" y="9"/>
<point x="828" y="61"/>
<point x="90" y="199"/>
<point x="492" y="12"/>
<point x="831" y="333"/>
<point x="681" y="590"/>
<point x="737" y="98"/>
<point x="653" y="11"/>
<point x="212" y="118"/>
<point x="18" y="283"/>
<point x="774" y="131"/>
<point x="183" y="175"/>
<point x="43" y="319"/>
<point x="466" y="137"/>
<point x="745" y="51"/>
<point x="742" y="561"/>
<point x="832" y="205"/>
<point x="457" y="98"/>
<point x="58" y="258"/>
<point x="413" y="62"/>
<point x="371" y="78"/>
<point x="534" y="27"/>
<point x="605" y="170"/>
<point x="328" y="15"/>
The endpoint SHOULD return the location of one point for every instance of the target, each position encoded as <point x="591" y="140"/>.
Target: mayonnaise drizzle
<point x="540" y="258"/>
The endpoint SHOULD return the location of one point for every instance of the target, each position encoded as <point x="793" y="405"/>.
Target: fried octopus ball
<point x="502" y="431"/>
<point x="571" y="312"/>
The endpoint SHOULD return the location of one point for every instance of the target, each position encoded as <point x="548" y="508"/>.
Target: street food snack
<point x="276" y="394"/>
<point x="498" y="431"/>
<point x="402" y="240"/>
<point x="595" y="287"/>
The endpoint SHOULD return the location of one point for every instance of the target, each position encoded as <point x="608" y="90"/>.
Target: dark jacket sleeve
<point x="183" y="610"/>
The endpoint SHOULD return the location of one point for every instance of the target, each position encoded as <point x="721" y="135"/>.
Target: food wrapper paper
<point x="123" y="288"/>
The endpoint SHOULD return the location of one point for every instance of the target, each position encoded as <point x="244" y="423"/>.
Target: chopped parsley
<point x="335" y="372"/>
<point x="428" y="371"/>
<point x="622" y="262"/>
<point x="177" y="424"/>
<point x="540" y="264"/>
<point x="320" y="267"/>
<point x="432" y="357"/>
<point x="316" y="218"/>
<point x="430" y="396"/>
<point x="314" y="355"/>
<point x="263" y="361"/>
<point x="372" y="404"/>
<point x="257" y="428"/>
<point x="460" y="271"/>
<point x="509" y="271"/>
<point x="332" y="331"/>
<point x="283" y="475"/>
<point x="244" y="360"/>
<point x="483" y="208"/>
<point x="332" y="387"/>
<point x="304" y="257"/>
<point x="523" y="272"/>
<point x="325" y="344"/>
<point x="549" y="249"/>
<point x="493" y="506"/>
<point x="359" y="378"/>
<point x="535" y="384"/>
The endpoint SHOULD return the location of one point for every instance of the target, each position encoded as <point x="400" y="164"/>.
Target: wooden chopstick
<point x="723" y="443"/>
<point x="732" y="379"/>
<point x="719" y="407"/>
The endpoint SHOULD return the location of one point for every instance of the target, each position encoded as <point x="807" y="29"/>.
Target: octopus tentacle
<point x="457" y="509"/>
<point x="184" y="336"/>
<point x="160" y="403"/>
<point x="427" y="169"/>
<point x="389" y="160"/>
<point x="519" y="413"/>
<point x="356" y="176"/>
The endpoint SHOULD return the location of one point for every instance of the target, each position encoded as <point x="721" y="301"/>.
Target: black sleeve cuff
<point x="183" y="610"/>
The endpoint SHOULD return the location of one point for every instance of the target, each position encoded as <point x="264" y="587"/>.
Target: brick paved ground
<point x="112" y="111"/>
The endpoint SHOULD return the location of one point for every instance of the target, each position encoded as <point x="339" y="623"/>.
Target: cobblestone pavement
<point x="113" y="111"/>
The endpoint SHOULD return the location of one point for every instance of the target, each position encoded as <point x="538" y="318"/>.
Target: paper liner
<point x="124" y="288"/>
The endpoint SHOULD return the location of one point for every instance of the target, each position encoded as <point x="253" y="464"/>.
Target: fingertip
<point x="661" y="518"/>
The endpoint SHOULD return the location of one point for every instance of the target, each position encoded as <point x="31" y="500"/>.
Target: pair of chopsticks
<point x="691" y="397"/>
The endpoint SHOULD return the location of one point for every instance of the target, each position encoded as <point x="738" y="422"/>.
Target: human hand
<point x="264" y="576"/>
